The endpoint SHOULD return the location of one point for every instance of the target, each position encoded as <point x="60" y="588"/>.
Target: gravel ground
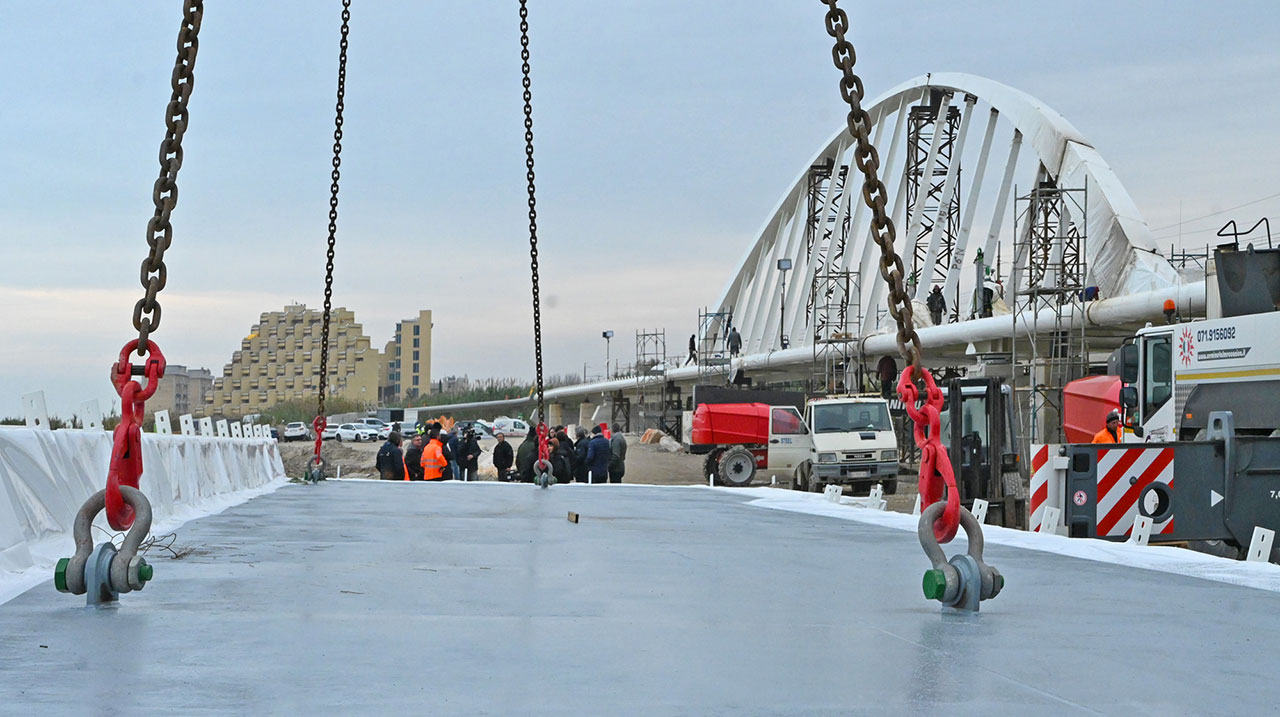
<point x="645" y="464"/>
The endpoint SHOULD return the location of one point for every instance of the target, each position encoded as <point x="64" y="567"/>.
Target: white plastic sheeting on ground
<point x="46" y="475"/>
<point x="1167" y="559"/>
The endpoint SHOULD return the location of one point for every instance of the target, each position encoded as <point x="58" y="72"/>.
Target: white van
<point x="854" y="444"/>
<point x="510" y="426"/>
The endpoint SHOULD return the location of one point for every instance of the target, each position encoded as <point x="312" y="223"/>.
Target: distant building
<point x="280" y="361"/>
<point x="182" y="390"/>
<point x="408" y="359"/>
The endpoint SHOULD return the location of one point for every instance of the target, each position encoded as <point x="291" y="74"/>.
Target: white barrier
<point x="46" y="475"/>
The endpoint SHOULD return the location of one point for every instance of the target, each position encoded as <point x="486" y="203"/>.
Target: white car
<point x="374" y="423"/>
<point x="357" y="432"/>
<point x="510" y="426"/>
<point x="330" y="431"/>
<point x="296" y="431"/>
<point x="401" y="426"/>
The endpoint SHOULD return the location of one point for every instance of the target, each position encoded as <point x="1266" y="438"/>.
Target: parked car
<point x="511" y="426"/>
<point x="296" y="431"/>
<point x="404" y="427"/>
<point x="374" y="423"/>
<point x="330" y="431"/>
<point x="275" y="433"/>
<point x="357" y="432"/>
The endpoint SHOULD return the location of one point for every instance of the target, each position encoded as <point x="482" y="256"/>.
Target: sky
<point x="665" y="132"/>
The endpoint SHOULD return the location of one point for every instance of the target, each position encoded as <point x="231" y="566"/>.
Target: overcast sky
<point x="666" y="131"/>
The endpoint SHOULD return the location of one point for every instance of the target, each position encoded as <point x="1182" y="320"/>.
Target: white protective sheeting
<point x="46" y="475"/>
<point x="1166" y="559"/>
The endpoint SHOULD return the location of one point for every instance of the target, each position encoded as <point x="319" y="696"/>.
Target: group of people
<point x="591" y="458"/>
<point x="435" y="453"/>
<point x="438" y="453"/>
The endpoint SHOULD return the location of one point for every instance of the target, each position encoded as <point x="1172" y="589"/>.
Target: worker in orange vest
<point x="433" y="458"/>
<point x="1110" y="434"/>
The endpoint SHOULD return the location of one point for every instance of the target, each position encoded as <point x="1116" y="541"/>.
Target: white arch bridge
<point x="990" y="189"/>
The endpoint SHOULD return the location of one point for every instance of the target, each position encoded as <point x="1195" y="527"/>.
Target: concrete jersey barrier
<point x="46" y="475"/>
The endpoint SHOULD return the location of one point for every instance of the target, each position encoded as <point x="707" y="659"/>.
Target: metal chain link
<point x="874" y="194"/>
<point x="333" y="211"/>
<point x="164" y="193"/>
<point x="533" y="209"/>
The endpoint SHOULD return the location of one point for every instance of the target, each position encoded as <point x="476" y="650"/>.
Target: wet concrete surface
<point x="362" y="597"/>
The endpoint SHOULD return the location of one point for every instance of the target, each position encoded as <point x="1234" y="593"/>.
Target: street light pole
<point x="607" y="336"/>
<point x="784" y="265"/>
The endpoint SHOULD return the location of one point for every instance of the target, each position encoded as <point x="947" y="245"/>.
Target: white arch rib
<point x="1123" y="256"/>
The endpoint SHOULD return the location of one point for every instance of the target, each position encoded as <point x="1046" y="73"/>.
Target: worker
<point x="503" y="457"/>
<point x="693" y="350"/>
<point x="1110" y="434"/>
<point x="617" y="454"/>
<point x="887" y="372"/>
<point x="433" y="458"/>
<point x="413" y="458"/>
<point x="937" y="304"/>
<point x="527" y="456"/>
<point x="390" y="461"/>
<point x="598" y="455"/>
<point x="735" y="341"/>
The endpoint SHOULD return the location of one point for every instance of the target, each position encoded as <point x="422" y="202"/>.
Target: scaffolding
<point x="922" y="123"/>
<point x="826" y="232"/>
<point x="651" y="381"/>
<point x="714" y="361"/>
<point x="835" y="312"/>
<point x="1049" y="280"/>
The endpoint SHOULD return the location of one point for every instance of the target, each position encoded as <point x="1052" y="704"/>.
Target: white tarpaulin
<point x="46" y="475"/>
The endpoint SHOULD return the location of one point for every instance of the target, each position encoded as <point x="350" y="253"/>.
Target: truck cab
<point x="853" y="444"/>
<point x="1174" y="375"/>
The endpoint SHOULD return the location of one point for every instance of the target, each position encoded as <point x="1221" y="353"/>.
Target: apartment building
<point x="408" y="358"/>
<point x="182" y="390"/>
<point x="279" y="360"/>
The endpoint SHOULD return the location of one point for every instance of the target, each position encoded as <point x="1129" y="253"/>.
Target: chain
<point x="936" y="475"/>
<point x="165" y="191"/>
<point x="874" y="193"/>
<point x="533" y="208"/>
<point x="333" y="217"/>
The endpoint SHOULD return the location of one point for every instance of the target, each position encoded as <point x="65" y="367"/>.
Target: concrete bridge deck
<point x="363" y="597"/>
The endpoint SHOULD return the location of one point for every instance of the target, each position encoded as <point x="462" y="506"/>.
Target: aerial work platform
<point x="363" y="596"/>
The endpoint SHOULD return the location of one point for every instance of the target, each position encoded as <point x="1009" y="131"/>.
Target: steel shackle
<point x="128" y="570"/>
<point x="947" y="581"/>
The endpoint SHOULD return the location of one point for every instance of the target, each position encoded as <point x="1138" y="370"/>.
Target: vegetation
<point x="54" y="422"/>
<point x="305" y="410"/>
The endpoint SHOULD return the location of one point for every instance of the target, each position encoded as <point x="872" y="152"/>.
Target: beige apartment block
<point x="182" y="390"/>
<point x="408" y="358"/>
<point x="280" y="361"/>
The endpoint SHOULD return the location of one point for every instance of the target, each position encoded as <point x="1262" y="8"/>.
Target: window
<point x="415" y="343"/>
<point x="847" y="417"/>
<point x="415" y="368"/>
<point x="1157" y="384"/>
<point x="415" y="380"/>
<point x="786" y="422"/>
<point x="416" y="327"/>
<point x="415" y="355"/>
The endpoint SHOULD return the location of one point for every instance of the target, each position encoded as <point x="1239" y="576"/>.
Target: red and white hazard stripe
<point x="1122" y="475"/>
<point x="1040" y="474"/>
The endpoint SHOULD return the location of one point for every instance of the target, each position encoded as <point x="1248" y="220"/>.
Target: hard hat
<point x="1114" y="415"/>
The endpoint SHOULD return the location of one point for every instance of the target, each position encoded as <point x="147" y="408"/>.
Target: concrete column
<point x="555" y="414"/>
<point x="585" y="410"/>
